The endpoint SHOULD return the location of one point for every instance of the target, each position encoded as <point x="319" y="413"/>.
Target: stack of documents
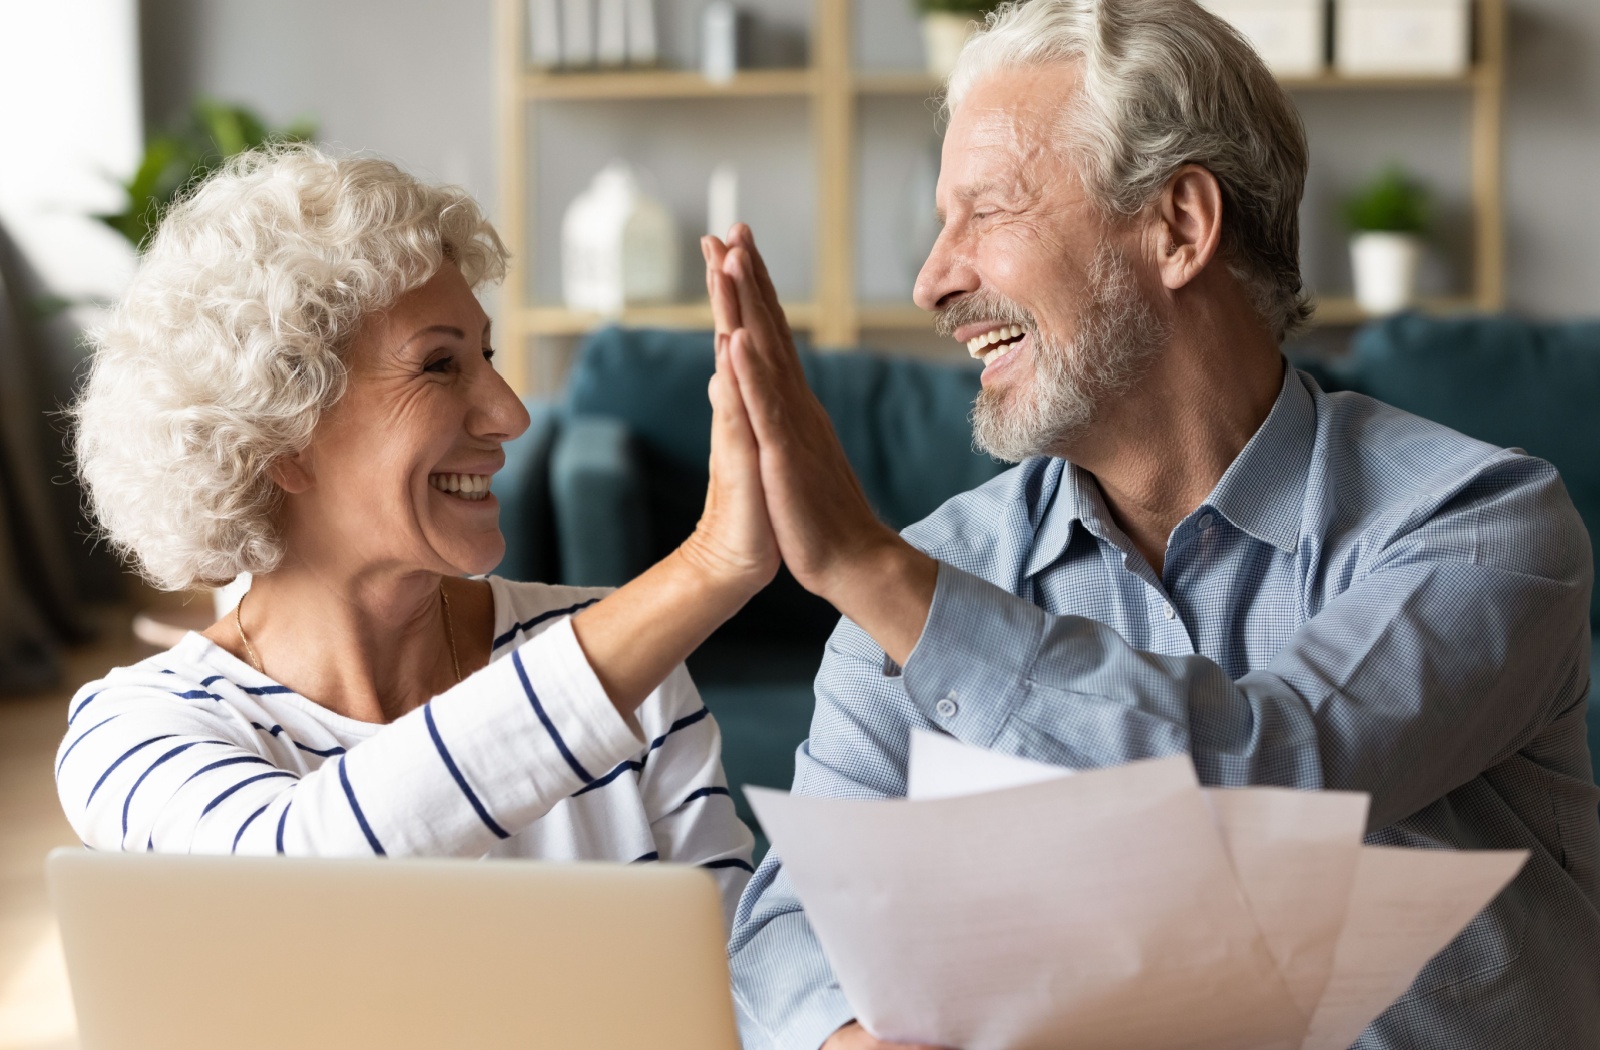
<point x="1007" y="904"/>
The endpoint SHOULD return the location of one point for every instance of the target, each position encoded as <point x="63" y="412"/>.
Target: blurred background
<point x="1464" y="135"/>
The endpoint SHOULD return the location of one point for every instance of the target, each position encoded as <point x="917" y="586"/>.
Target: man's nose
<point x="943" y="274"/>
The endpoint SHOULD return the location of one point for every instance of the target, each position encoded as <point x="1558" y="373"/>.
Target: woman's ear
<point x="292" y="474"/>
<point x="1189" y="226"/>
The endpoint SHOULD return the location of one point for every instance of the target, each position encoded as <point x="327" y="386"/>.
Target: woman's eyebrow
<point x="445" y="328"/>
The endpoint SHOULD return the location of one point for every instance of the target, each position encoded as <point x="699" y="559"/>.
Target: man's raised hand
<point x="826" y="530"/>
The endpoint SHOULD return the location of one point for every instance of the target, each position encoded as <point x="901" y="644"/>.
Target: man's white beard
<point x="1118" y="333"/>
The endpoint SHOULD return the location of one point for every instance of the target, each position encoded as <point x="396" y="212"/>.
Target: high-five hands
<point x="826" y="530"/>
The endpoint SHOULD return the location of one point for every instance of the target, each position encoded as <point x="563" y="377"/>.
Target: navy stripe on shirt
<point x="355" y="807"/>
<point x="528" y="625"/>
<point x="68" y="753"/>
<point x="180" y="749"/>
<point x="729" y="862"/>
<point x="705" y="792"/>
<point x="616" y="771"/>
<point x="283" y="818"/>
<point x="461" y="781"/>
<point x="86" y="702"/>
<point x="246" y="824"/>
<point x="135" y="749"/>
<point x="219" y="763"/>
<point x="275" y="729"/>
<point x="549" y="726"/>
<point x="247" y="781"/>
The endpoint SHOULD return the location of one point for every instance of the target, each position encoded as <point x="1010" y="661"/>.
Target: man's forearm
<point x="887" y="589"/>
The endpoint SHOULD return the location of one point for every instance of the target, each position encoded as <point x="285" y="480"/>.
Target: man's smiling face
<point x="1027" y="273"/>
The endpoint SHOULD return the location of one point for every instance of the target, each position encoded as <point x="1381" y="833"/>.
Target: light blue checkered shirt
<point x="1367" y="601"/>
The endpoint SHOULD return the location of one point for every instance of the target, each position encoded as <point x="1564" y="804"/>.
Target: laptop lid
<point x="195" y="953"/>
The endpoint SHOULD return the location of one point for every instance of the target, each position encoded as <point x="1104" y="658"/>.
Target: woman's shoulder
<point x="522" y="610"/>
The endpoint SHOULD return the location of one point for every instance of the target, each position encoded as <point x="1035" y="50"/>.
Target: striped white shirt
<point x="194" y="751"/>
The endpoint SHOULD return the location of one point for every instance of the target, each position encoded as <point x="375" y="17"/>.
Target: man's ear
<point x="292" y="474"/>
<point x="1188" y="228"/>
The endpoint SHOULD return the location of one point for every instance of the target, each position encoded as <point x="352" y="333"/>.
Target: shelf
<point x="909" y="83"/>
<point x="558" y="320"/>
<point x="667" y="84"/>
<point x="1332" y="81"/>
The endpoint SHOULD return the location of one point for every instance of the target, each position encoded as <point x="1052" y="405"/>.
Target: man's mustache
<point x="981" y="306"/>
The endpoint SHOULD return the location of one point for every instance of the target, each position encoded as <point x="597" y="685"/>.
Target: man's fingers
<point x="753" y="375"/>
<point x="746" y="239"/>
<point x="766" y="326"/>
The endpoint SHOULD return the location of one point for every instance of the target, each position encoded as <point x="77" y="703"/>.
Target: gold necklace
<point x="449" y="632"/>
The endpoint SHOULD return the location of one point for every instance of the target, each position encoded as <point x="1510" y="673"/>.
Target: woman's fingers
<point x="724" y="303"/>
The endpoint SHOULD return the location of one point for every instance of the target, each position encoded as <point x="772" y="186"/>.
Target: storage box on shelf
<point x="832" y="89"/>
<point x="1402" y="37"/>
<point x="1291" y="36"/>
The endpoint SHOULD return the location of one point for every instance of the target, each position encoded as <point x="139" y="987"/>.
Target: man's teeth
<point x="979" y="346"/>
<point x="466" y="486"/>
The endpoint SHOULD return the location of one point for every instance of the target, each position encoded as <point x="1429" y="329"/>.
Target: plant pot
<point x="1385" y="269"/>
<point x="944" y="34"/>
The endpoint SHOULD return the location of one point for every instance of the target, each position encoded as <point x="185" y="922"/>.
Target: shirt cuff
<point x="974" y="656"/>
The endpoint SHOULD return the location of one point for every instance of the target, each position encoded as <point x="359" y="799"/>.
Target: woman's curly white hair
<point x="228" y="346"/>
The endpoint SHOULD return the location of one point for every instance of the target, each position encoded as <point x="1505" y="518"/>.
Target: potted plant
<point x="1387" y="219"/>
<point x="946" y="27"/>
<point x="177" y="159"/>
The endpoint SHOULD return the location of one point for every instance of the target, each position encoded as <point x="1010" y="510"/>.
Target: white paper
<point x="1297" y="894"/>
<point x="1010" y="904"/>
<point x="1407" y="905"/>
<point x="955" y="922"/>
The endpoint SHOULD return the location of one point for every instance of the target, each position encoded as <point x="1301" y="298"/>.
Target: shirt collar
<point x="1263" y="490"/>
<point x="1260" y="493"/>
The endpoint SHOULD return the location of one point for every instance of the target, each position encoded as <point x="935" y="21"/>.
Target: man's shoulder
<point x="1385" y="473"/>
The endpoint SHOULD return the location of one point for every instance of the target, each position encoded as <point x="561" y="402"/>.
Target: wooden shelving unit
<point x="832" y="88"/>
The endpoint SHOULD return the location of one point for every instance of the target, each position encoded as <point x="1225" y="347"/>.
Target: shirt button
<point x="1169" y="610"/>
<point x="1205" y="522"/>
<point x="947" y="707"/>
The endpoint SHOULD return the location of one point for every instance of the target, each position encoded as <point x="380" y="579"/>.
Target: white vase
<point x="618" y="246"/>
<point x="1385" y="269"/>
<point x="944" y="34"/>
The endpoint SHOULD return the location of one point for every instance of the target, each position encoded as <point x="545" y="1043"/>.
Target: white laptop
<point x="204" y="953"/>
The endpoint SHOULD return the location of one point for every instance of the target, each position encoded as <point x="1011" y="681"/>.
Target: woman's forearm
<point x="636" y="636"/>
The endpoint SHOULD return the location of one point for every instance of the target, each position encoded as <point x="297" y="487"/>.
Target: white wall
<point x="413" y="79"/>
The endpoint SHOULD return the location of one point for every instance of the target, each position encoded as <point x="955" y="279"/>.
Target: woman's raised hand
<point x="734" y="539"/>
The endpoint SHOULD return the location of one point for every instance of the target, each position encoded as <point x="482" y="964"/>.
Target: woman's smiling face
<point x="396" y="477"/>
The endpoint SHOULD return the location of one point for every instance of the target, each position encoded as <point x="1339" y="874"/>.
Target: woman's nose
<point x="499" y="414"/>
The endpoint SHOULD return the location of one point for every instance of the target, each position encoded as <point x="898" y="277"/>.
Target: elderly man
<point x="1200" y="550"/>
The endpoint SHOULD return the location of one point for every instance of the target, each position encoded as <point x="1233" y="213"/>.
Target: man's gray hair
<point x="1166" y="83"/>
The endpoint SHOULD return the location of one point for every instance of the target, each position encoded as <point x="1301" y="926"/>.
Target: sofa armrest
<point x="523" y="488"/>
<point x="597" y="490"/>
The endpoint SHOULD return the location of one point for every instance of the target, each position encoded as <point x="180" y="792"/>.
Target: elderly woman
<point x="298" y="385"/>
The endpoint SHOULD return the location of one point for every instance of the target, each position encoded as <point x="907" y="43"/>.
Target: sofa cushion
<point x="1498" y="379"/>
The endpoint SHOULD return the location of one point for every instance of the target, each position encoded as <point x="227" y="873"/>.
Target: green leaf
<point x="177" y="159"/>
<point x="1391" y="202"/>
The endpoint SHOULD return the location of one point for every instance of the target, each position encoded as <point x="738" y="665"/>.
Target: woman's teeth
<point x="465" y="486"/>
<point x="994" y="344"/>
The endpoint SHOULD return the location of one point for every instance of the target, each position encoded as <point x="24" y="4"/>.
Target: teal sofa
<point x="1502" y="380"/>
